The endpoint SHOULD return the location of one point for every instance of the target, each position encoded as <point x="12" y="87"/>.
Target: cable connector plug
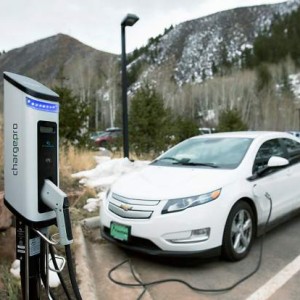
<point x="57" y="200"/>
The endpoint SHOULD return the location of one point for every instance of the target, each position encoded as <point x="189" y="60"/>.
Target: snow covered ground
<point x="105" y="173"/>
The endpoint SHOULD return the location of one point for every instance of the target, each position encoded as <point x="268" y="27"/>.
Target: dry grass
<point x="11" y="286"/>
<point x="73" y="160"/>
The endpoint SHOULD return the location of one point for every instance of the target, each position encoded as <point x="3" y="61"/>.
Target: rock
<point x="5" y="215"/>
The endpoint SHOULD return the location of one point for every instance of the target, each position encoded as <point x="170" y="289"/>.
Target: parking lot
<point x="277" y="278"/>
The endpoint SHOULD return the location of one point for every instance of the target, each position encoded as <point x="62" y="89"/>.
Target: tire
<point x="239" y="232"/>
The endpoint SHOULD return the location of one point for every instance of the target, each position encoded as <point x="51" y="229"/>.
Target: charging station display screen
<point x="47" y="158"/>
<point x="44" y="129"/>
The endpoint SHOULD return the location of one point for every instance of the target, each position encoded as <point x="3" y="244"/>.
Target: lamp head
<point x="129" y="20"/>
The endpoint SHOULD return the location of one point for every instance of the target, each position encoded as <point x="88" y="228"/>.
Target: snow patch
<point x="105" y="173"/>
<point x="295" y="83"/>
<point x="53" y="277"/>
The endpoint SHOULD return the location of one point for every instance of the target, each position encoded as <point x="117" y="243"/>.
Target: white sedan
<point x="206" y="195"/>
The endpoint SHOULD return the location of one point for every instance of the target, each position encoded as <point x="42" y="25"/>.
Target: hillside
<point x="178" y="64"/>
<point x="50" y="59"/>
<point x="192" y="48"/>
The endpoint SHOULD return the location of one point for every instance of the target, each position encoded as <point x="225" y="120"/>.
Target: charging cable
<point x="57" y="200"/>
<point x="58" y="270"/>
<point x="145" y="285"/>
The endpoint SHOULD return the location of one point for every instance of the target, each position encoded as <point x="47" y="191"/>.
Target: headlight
<point x="180" y="204"/>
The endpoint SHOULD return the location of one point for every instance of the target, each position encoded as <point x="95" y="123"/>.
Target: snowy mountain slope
<point x="194" y="46"/>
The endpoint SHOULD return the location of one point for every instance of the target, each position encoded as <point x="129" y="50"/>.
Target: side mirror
<point x="274" y="162"/>
<point x="277" y="161"/>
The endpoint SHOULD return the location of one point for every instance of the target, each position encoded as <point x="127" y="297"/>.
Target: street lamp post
<point x="129" y="20"/>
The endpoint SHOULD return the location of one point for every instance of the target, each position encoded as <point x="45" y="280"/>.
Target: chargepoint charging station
<point x="31" y="178"/>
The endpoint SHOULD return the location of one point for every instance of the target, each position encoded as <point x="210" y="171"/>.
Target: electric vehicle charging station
<point x="31" y="177"/>
<point x="30" y="148"/>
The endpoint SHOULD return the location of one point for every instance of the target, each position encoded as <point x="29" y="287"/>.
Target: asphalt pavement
<point x="277" y="278"/>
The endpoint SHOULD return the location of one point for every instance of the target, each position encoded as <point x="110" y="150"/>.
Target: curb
<point x="91" y="223"/>
<point x="89" y="284"/>
<point x="86" y="287"/>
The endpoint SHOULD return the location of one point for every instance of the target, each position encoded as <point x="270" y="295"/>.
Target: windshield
<point x="218" y="152"/>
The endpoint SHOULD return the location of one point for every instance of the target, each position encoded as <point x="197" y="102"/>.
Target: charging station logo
<point x="41" y="105"/>
<point x="15" y="167"/>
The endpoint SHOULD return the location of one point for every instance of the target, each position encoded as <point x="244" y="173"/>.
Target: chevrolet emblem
<point x="125" y="207"/>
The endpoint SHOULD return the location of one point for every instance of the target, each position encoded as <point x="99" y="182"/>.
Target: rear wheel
<point x="239" y="232"/>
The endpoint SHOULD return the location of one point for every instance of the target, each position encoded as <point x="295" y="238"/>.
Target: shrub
<point x="230" y="120"/>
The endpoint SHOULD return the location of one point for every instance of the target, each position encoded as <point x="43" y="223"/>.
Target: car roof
<point x="247" y="134"/>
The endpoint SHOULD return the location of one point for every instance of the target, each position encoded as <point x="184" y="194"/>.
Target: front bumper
<point x="147" y="247"/>
<point x="152" y="235"/>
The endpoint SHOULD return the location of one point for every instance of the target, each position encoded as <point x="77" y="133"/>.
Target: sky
<point x="97" y="22"/>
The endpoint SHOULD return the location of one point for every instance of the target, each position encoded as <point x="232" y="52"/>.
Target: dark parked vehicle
<point x="95" y="135"/>
<point x="109" y="137"/>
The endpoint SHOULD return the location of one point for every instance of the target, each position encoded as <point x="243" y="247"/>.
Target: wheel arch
<point x="227" y="251"/>
<point x="253" y="207"/>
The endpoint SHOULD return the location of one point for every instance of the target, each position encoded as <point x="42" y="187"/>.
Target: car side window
<point x="293" y="150"/>
<point x="267" y="149"/>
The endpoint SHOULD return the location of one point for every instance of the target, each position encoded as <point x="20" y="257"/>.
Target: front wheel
<point x="239" y="232"/>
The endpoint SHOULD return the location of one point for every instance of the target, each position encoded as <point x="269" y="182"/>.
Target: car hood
<point x="160" y="182"/>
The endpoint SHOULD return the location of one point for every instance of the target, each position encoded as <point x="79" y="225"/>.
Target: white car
<point x="206" y="196"/>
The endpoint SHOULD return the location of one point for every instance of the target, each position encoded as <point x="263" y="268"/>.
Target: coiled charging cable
<point x="53" y="242"/>
<point x="145" y="285"/>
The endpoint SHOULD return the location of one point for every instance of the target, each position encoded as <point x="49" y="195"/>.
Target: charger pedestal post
<point x="30" y="156"/>
<point x="32" y="256"/>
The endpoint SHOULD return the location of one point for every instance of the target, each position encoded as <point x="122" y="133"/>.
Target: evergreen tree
<point x="293" y="33"/>
<point x="286" y="87"/>
<point x="152" y="127"/>
<point x="214" y="68"/>
<point x="263" y="77"/>
<point x="280" y="41"/>
<point x="225" y="64"/>
<point x="203" y="76"/>
<point x="231" y="120"/>
<point x="248" y="59"/>
<point x="149" y="122"/>
<point x="183" y="128"/>
<point x="134" y="72"/>
<point x="73" y="119"/>
<point x="261" y="49"/>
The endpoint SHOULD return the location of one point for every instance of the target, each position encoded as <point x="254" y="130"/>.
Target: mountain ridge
<point x="195" y="44"/>
<point x="45" y="60"/>
<point x="175" y="63"/>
